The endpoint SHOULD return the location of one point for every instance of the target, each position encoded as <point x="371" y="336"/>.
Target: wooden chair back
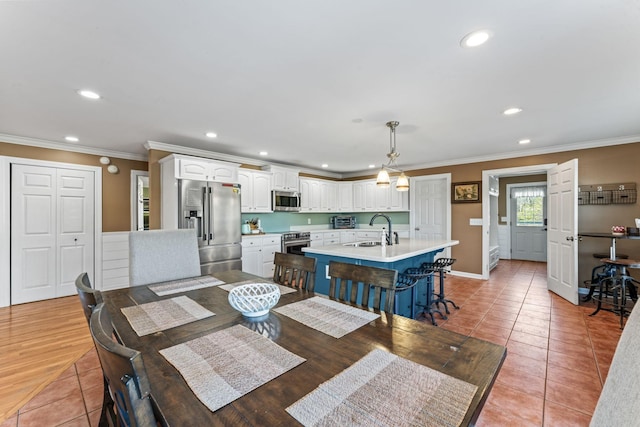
<point x="354" y="279"/>
<point x="124" y="371"/>
<point x="89" y="297"/>
<point x="296" y="271"/>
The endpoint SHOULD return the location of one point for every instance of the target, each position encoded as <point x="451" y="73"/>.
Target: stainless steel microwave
<point x="287" y="201"/>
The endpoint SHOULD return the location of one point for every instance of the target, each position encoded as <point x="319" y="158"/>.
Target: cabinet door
<point x="193" y="169"/>
<point x="370" y="196"/>
<point x="268" y="253"/>
<point x="345" y="196"/>
<point x="291" y="181"/>
<point x="305" y="195"/>
<point x="246" y="190"/>
<point x="359" y="195"/>
<point x="262" y="192"/>
<point x="398" y="200"/>
<point x="328" y="196"/>
<point x="223" y="173"/>
<point x="252" y="261"/>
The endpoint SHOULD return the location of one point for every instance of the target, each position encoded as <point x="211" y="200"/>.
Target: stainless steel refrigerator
<point x="213" y="209"/>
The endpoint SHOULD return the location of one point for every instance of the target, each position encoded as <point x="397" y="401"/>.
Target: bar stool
<point x="425" y="274"/>
<point x="440" y="265"/>
<point x="600" y="272"/>
<point x="620" y="282"/>
<point x="405" y="283"/>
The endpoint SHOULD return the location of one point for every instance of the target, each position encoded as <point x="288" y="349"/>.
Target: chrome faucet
<point x="389" y="233"/>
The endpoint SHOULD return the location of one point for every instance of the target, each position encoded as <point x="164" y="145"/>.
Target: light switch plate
<point x="475" y="221"/>
<point x="503" y="218"/>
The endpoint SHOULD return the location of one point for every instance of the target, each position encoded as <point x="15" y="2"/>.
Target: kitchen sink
<point x="364" y="244"/>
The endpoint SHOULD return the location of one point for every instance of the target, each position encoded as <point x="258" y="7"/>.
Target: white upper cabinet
<point x="255" y="187"/>
<point x="284" y="179"/>
<point x="187" y="167"/>
<point x="367" y="197"/>
<point x="318" y="195"/>
<point x="494" y="185"/>
<point x="345" y="196"/>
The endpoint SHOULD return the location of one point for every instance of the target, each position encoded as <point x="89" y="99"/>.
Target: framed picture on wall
<point x="466" y="192"/>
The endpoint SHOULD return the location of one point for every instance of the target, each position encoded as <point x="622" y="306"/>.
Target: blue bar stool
<point x="440" y="266"/>
<point x="419" y="273"/>
<point x="405" y="283"/>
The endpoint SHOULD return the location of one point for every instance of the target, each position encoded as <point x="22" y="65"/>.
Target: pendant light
<point x="383" y="180"/>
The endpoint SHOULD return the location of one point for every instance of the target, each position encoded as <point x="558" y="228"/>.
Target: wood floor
<point x="38" y="342"/>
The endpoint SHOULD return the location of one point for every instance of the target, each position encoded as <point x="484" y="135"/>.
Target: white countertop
<point x="407" y="248"/>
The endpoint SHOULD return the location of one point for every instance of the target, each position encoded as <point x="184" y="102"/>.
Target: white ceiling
<point x="314" y="82"/>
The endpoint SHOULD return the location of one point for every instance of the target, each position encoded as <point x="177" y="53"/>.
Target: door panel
<point x="429" y="209"/>
<point x="527" y="242"/>
<point x="33" y="237"/>
<point x="52" y="231"/>
<point x="75" y="239"/>
<point x="562" y="265"/>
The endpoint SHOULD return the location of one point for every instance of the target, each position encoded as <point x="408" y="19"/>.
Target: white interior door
<point x="430" y="208"/>
<point x="52" y="231"/>
<point x="529" y="233"/>
<point x="562" y="264"/>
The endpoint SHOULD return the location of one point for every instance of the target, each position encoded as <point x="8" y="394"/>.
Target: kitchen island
<point x="405" y="254"/>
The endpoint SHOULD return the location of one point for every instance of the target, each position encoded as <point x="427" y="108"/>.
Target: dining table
<point x="613" y="237"/>
<point x="469" y="360"/>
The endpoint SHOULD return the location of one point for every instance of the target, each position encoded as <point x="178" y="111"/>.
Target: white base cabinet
<point x="258" y="253"/>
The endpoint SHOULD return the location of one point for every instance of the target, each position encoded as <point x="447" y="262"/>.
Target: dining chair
<point x="89" y="298"/>
<point x="162" y="255"/>
<point x="357" y="281"/>
<point x="126" y="377"/>
<point x="296" y="271"/>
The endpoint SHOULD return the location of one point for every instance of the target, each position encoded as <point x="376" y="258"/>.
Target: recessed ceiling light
<point x="263" y="153"/>
<point x="524" y="141"/>
<point x="475" y="38"/>
<point x="211" y="135"/>
<point x="89" y="94"/>
<point x="324" y="165"/>
<point x="511" y="111"/>
<point x="71" y="138"/>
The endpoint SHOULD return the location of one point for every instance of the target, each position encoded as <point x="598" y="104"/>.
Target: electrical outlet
<point x="308" y="220"/>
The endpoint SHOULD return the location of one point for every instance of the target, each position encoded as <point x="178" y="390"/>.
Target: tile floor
<point x="557" y="356"/>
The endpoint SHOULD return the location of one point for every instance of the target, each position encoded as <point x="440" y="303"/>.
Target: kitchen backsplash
<point x="283" y="221"/>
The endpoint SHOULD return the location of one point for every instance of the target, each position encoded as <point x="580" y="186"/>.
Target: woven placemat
<point x="225" y="365"/>
<point x="157" y="316"/>
<point x="382" y="389"/>
<point x="184" y="285"/>
<point x="283" y="289"/>
<point x="328" y="316"/>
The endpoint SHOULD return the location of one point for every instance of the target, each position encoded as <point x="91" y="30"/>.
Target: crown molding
<point x="177" y="149"/>
<point x="43" y="143"/>
<point x="513" y="155"/>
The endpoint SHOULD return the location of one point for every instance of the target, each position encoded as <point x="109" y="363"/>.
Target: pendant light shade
<point x="383" y="180"/>
<point x="403" y="183"/>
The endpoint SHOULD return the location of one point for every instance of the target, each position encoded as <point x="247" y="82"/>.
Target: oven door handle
<point x="296" y="242"/>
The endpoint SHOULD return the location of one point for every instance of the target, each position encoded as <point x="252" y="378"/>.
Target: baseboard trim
<point x="465" y="274"/>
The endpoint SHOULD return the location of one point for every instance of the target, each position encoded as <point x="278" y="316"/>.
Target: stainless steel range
<point x="293" y="242"/>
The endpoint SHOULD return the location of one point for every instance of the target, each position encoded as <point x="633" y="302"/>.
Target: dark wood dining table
<point x="469" y="359"/>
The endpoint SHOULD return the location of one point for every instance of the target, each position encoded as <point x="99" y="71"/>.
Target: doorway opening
<point x="527" y="220"/>
<point x="496" y="241"/>
<point x="139" y="200"/>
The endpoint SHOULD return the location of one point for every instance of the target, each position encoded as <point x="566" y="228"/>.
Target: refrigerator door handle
<point x="210" y="216"/>
<point x="205" y="213"/>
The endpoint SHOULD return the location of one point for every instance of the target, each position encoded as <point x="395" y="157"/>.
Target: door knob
<point x="570" y="238"/>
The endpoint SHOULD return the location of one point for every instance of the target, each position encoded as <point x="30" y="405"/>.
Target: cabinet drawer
<point x="272" y="240"/>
